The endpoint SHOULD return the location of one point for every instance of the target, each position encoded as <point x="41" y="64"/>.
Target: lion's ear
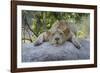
<point x="66" y="31"/>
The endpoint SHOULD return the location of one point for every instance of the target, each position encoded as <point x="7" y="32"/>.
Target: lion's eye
<point x="53" y="33"/>
<point x="60" y="33"/>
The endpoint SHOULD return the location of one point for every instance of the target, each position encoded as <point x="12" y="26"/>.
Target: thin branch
<point x="29" y="26"/>
<point x="29" y="35"/>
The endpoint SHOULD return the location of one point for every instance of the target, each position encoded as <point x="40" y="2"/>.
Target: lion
<point x="60" y="32"/>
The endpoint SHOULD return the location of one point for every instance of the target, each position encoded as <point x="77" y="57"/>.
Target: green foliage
<point x="40" y="21"/>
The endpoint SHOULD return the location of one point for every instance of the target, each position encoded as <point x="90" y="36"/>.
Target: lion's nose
<point x="56" y="39"/>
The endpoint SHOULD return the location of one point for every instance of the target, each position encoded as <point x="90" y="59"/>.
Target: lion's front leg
<point x="42" y="38"/>
<point x="39" y="40"/>
<point x="76" y="43"/>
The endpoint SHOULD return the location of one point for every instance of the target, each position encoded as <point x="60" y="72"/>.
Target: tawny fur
<point x="60" y="32"/>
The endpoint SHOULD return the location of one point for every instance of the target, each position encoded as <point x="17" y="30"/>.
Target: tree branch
<point x="29" y="26"/>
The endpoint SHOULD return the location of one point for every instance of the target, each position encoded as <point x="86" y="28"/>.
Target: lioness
<point x="60" y="32"/>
